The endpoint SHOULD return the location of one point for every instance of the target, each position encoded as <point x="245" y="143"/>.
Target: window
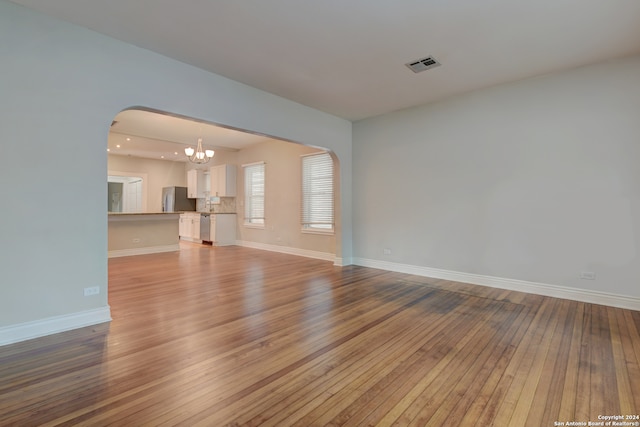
<point x="254" y="194"/>
<point x="317" y="193"/>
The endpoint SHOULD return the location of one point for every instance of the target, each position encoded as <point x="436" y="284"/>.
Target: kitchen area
<point x="158" y="194"/>
<point x="148" y="167"/>
<point x="203" y="212"/>
<point x="212" y="193"/>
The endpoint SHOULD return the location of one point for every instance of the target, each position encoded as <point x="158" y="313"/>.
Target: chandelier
<point x="198" y="155"/>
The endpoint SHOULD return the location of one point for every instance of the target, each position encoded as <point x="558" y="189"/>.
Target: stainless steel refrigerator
<point x="174" y="199"/>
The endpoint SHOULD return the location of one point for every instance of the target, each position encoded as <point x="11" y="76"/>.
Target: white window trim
<point x="327" y="232"/>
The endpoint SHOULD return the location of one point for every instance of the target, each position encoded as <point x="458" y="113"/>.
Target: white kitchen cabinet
<point x="182" y="225"/>
<point x="195" y="227"/>
<point x="189" y="226"/>
<point x="196" y="184"/>
<point x="223" y="181"/>
<point x="223" y="229"/>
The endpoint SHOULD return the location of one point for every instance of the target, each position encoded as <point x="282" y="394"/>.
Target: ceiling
<point x="347" y="57"/>
<point x="149" y="134"/>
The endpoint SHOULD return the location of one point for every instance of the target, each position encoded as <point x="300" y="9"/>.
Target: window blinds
<point x="317" y="192"/>
<point x="254" y="193"/>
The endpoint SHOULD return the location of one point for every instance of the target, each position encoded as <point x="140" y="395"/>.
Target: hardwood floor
<point x="236" y="336"/>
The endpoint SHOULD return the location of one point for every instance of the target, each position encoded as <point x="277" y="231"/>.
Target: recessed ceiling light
<point x="176" y="153"/>
<point x="162" y="157"/>
<point x="108" y="149"/>
<point x="128" y="139"/>
<point x="118" y="146"/>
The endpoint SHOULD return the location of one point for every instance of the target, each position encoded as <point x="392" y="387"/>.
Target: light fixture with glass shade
<point x="198" y="155"/>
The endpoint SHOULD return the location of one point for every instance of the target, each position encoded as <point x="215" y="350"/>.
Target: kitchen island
<point x="142" y="233"/>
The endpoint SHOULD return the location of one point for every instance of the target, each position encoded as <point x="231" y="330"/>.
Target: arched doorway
<point x="151" y="142"/>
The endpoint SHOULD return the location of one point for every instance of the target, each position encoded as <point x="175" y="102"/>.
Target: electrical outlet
<point x="93" y="290"/>
<point x="588" y="275"/>
<point x="386" y="251"/>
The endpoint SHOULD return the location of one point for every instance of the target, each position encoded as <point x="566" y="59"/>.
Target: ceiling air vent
<point x="423" y="64"/>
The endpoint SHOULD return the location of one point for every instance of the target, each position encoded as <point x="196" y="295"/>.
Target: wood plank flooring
<point x="240" y="337"/>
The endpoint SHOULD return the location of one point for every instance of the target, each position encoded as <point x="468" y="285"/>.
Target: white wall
<point x="537" y="180"/>
<point x="61" y="86"/>
<point x="157" y="174"/>
<point x="283" y="180"/>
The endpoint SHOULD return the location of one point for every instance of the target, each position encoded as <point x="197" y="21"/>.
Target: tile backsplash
<point x="225" y="205"/>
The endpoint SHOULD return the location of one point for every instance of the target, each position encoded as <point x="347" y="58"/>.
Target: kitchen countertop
<point x="213" y="213"/>
<point x="167" y="213"/>
<point x="146" y="213"/>
<point x="143" y="216"/>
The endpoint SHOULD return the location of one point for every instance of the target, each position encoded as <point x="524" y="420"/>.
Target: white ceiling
<point x="347" y="57"/>
<point x="148" y="134"/>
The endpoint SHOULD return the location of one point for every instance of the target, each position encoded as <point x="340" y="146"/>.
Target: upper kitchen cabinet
<point x="196" y="184"/>
<point x="223" y="181"/>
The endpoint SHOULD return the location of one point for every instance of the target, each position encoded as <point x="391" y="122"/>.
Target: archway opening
<point x="150" y="144"/>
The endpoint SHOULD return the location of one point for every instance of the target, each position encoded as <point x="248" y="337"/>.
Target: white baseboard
<point x="53" y="325"/>
<point x="289" y="250"/>
<point x="340" y="262"/>
<point x="189" y="239"/>
<point x="143" y="251"/>
<point x="582" y="295"/>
